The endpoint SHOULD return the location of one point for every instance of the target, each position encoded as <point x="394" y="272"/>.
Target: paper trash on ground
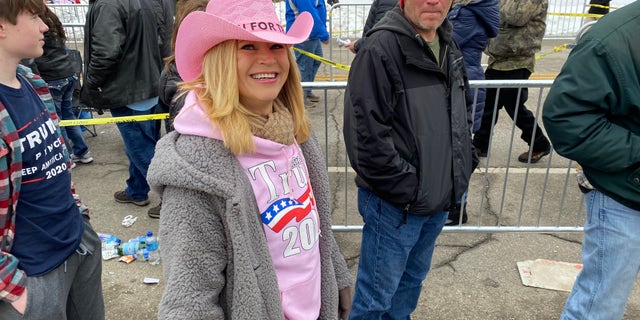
<point x="148" y="280"/>
<point x="549" y="274"/>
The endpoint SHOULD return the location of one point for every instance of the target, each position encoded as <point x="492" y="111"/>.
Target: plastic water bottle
<point x="104" y="237"/>
<point x="130" y="247"/>
<point x="152" y="242"/>
<point x="142" y="254"/>
<point x="154" y="257"/>
<point x="142" y="241"/>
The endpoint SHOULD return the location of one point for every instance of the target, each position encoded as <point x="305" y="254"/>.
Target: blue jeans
<point x="308" y="66"/>
<point x="139" y="143"/>
<point x="62" y="94"/>
<point x="610" y="258"/>
<point x="395" y="257"/>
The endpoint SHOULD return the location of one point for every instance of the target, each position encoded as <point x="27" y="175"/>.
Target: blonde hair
<point x="217" y="89"/>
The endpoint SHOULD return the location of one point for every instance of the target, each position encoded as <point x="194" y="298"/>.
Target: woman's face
<point x="263" y="68"/>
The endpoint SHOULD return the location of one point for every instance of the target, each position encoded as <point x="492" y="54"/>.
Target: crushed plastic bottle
<point x="110" y="247"/>
<point x="142" y="254"/>
<point x="154" y="257"/>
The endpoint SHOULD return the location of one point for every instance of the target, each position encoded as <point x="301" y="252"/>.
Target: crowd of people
<point x="241" y="173"/>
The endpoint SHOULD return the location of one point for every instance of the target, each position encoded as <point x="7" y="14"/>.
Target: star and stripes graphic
<point x="284" y="210"/>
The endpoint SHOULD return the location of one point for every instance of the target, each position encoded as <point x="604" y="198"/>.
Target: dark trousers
<point x="513" y="101"/>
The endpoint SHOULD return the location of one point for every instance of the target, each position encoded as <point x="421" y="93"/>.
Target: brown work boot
<point x="535" y="156"/>
<point x="121" y="196"/>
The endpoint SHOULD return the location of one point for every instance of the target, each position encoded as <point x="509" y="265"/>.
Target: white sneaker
<point x="86" y="158"/>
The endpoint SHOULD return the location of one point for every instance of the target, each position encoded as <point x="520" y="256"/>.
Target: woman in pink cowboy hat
<point x="245" y="225"/>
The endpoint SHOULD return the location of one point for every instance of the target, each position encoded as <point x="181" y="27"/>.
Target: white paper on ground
<point x="548" y="274"/>
<point x="151" y="280"/>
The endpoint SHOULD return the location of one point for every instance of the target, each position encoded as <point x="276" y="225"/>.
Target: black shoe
<point x="313" y="98"/>
<point x="454" y="216"/>
<point x="155" y="211"/>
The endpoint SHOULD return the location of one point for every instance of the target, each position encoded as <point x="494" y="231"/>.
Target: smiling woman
<point x="262" y="70"/>
<point x="243" y="151"/>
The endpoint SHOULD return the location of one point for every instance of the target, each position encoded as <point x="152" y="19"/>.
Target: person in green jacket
<point x="592" y="115"/>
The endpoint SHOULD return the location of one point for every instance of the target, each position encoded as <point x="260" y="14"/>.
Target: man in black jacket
<point x="124" y="48"/>
<point x="406" y="129"/>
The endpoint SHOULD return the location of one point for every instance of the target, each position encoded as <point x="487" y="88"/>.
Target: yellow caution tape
<point x="583" y="15"/>
<point x="543" y="76"/>
<point x="335" y="77"/>
<point x="323" y="60"/>
<point x="600" y="6"/>
<point x="560" y="48"/>
<point x="95" y="121"/>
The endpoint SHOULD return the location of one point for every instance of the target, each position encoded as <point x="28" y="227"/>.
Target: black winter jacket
<point x="170" y="99"/>
<point x="407" y="120"/>
<point x="55" y="63"/>
<point x="122" y="53"/>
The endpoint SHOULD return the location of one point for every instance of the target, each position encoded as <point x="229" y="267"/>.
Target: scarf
<point x="277" y="127"/>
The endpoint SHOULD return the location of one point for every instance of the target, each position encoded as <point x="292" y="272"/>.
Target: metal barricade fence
<point x="504" y="194"/>
<point x="346" y="21"/>
<point x="72" y="17"/>
<point x="68" y="13"/>
<point x="565" y="18"/>
<point x="75" y="36"/>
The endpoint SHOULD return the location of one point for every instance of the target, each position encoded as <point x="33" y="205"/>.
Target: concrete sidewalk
<point x="473" y="276"/>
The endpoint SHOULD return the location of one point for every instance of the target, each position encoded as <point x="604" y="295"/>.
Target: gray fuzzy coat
<point x="214" y="253"/>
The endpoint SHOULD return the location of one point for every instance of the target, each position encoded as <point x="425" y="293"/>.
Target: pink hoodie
<point x="279" y="177"/>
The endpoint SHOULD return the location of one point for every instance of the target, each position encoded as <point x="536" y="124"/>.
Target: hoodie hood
<point x="396" y="22"/>
<point x="487" y="12"/>
<point x="184" y="159"/>
<point x="192" y="119"/>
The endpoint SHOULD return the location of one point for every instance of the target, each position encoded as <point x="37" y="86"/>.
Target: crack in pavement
<point x="475" y="245"/>
<point x="563" y="238"/>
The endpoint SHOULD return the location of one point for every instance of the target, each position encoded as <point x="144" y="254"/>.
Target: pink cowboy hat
<point x="252" y="20"/>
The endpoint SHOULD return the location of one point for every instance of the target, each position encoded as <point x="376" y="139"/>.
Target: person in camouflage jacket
<point x="512" y="57"/>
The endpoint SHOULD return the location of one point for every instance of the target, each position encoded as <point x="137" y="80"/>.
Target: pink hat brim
<point x="201" y="31"/>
